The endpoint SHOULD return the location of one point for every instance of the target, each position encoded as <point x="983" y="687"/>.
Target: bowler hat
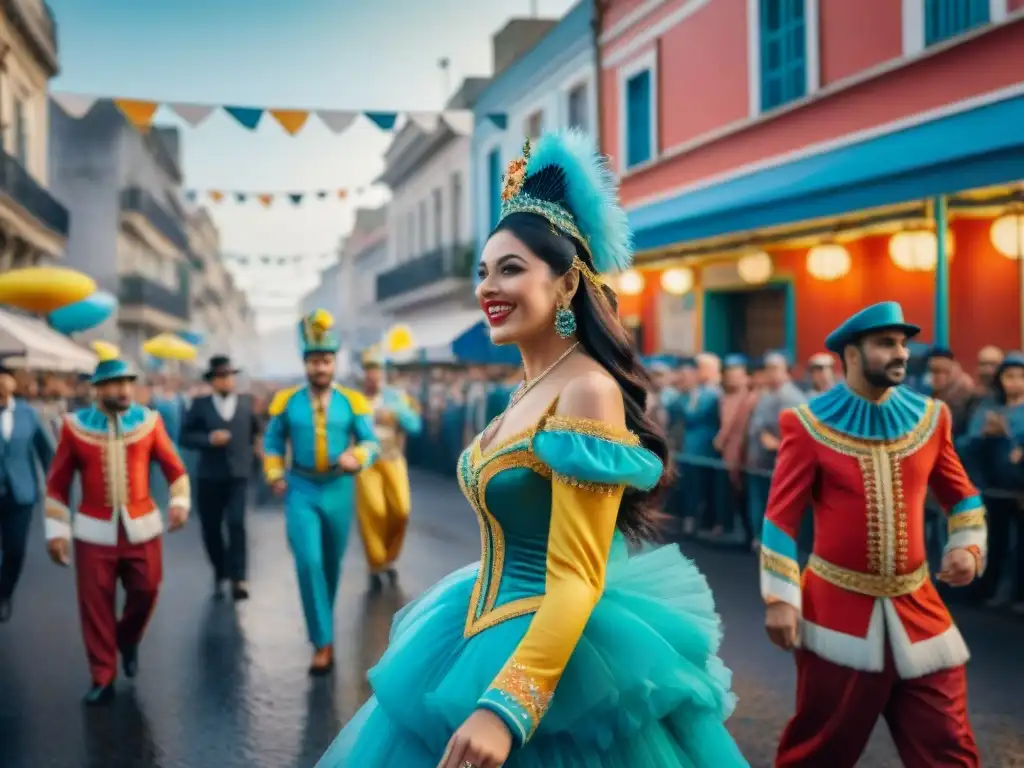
<point x="219" y="365"/>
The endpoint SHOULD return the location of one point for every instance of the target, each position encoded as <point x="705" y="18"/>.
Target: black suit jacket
<point x="231" y="461"/>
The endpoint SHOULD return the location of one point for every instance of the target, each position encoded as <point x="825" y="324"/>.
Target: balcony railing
<point x="136" y="200"/>
<point x="453" y="261"/>
<point x="17" y="184"/>
<point x="138" y="291"/>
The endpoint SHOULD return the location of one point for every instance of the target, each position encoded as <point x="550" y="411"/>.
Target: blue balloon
<point x="84" y="314"/>
<point x="192" y="337"/>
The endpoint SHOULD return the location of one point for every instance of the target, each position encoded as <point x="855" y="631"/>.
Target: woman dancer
<point x="557" y="649"/>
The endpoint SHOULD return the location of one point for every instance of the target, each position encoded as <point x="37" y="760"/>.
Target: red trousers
<point x="98" y="568"/>
<point x="838" y="707"/>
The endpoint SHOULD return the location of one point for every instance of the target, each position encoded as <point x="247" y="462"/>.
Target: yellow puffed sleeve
<point x="583" y="519"/>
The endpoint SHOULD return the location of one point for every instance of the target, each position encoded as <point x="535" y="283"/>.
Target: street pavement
<point x="225" y="686"/>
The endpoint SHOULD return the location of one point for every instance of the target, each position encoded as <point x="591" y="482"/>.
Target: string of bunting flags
<point x="317" y="261"/>
<point x="266" y="199"/>
<point x="140" y="113"/>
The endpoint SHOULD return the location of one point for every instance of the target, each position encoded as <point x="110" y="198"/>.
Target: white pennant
<point x="193" y="114"/>
<point x="425" y="121"/>
<point x="459" y="120"/>
<point x="74" y="104"/>
<point x="337" y="120"/>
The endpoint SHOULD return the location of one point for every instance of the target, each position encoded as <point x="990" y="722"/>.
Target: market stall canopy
<point x="435" y="334"/>
<point x="474" y="346"/>
<point x="26" y="342"/>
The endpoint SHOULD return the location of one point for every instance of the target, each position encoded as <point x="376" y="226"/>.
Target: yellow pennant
<point x="216" y="196"/>
<point x="139" y="113"/>
<point x="266" y="200"/>
<point x="342" y="194"/>
<point x="291" y="120"/>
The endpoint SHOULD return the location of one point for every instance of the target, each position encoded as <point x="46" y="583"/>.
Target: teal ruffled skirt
<point x="644" y="687"/>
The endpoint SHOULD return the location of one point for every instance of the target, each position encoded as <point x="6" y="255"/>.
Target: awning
<point x="978" y="147"/>
<point x="26" y="342"/>
<point x="435" y="334"/>
<point x="474" y="346"/>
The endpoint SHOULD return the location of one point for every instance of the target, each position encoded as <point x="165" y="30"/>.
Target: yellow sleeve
<point x="583" y="519"/>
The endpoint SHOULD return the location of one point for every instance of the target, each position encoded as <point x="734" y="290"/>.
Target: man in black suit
<point x="223" y="427"/>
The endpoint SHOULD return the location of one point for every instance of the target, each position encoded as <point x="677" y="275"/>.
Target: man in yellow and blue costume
<point x="330" y="431"/>
<point x="383" y="499"/>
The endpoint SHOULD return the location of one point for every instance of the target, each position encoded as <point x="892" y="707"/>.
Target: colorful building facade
<point x="785" y="162"/>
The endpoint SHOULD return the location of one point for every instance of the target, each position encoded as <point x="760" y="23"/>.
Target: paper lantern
<point x="630" y="283"/>
<point x="918" y="250"/>
<point x="84" y="314"/>
<point x="829" y="261"/>
<point x="168" y="346"/>
<point x="755" y="268"/>
<point x="399" y="339"/>
<point x="677" y="281"/>
<point x="44" y="289"/>
<point x="1007" y="235"/>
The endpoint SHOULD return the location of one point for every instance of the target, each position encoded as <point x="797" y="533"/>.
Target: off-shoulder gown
<point x="593" y="658"/>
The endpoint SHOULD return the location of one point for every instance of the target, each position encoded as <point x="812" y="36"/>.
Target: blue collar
<point x="846" y="412"/>
<point x="95" y="420"/>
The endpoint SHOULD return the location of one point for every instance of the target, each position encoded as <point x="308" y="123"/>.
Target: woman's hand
<point x="483" y="741"/>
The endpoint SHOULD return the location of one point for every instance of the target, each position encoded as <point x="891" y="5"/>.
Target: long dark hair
<point x="601" y="334"/>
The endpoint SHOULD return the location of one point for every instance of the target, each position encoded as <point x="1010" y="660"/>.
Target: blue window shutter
<point x="638" y="119"/>
<point x="494" y="186"/>
<point x="944" y="19"/>
<point x="783" y="52"/>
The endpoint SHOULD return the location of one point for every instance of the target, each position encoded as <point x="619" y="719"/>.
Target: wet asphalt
<point x="224" y="685"/>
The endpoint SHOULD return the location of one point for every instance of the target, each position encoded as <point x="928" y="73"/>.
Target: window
<point x="410" y="227"/>
<point x="423" y="227"/>
<point x="456" y="204"/>
<point x="639" y="118"/>
<point x="577" y="107"/>
<point x="494" y="187"/>
<point x="535" y="125"/>
<point x="438" y="211"/>
<point x="783" y="52"/>
<point x="20" y="133"/>
<point x="944" y="19"/>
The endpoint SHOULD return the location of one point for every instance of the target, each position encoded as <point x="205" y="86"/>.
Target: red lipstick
<point x="497" y="311"/>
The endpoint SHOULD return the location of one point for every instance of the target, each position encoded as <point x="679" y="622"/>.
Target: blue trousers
<point x="318" y="516"/>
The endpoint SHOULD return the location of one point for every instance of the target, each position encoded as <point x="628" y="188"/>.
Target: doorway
<point x="750" y="321"/>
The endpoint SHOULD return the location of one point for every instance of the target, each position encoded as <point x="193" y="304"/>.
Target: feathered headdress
<point x="567" y="182"/>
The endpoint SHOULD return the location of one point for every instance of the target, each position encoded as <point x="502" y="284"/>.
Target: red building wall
<point x="1015" y="5"/>
<point x="857" y="36"/>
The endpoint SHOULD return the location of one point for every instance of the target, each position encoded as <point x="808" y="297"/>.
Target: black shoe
<point x="376" y="584"/>
<point x="99" y="695"/>
<point x="130" y="660"/>
<point x="5" y="610"/>
<point x="392" y="575"/>
<point x="240" y="590"/>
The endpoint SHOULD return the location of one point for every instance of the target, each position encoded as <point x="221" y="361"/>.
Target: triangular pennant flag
<point x="337" y="120"/>
<point x="193" y="114"/>
<point x="342" y="194"/>
<point x="138" y="113"/>
<point x="241" y="197"/>
<point x="265" y="259"/>
<point x="282" y="260"/>
<point x="74" y="104"/>
<point x="499" y="119"/>
<point x="265" y="199"/>
<point x="296" y="197"/>
<point x="248" y="117"/>
<point x="191" y="195"/>
<point x="321" y="194"/>
<point x="216" y="195"/>
<point x="291" y="120"/>
<point x="425" y="121"/>
<point x="383" y="120"/>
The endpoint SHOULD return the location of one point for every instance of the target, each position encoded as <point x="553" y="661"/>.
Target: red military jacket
<point x="866" y="468"/>
<point x="113" y="460"/>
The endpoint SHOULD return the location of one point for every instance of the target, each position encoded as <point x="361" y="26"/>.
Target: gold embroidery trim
<point x="870" y="584"/>
<point x="873" y="508"/>
<point x="605" y="489"/>
<point x="899" y="515"/>
<point x="964" y="520"/>
<point x="529" y="692"/>
<point x="590" y="428"/>
<point x="100" y="439"/>
<point x="853" y="446"/>
<point x="783" y="567"/>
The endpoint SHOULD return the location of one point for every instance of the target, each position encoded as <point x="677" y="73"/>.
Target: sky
<point x="301" y="54"/>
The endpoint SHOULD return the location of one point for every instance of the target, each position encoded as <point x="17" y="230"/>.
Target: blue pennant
<point x="296" y="197"/>
<point x="241" y="197"/>
<point x="248" y="116"/>
<point x="383" y="120"/>
<point x="191" y="195"/>
<point x="321" y="195"/>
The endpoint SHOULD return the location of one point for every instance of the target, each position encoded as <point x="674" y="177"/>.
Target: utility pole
<point x="444" y="64"/>
<point x="597" y="24"/>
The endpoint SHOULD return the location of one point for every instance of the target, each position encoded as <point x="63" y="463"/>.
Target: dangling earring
<point x="565" y="322"/>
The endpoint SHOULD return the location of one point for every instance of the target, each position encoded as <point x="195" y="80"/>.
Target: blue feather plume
<point x="592" y="194"/>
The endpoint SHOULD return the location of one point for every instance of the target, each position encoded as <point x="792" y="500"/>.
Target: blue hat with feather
<point x="316" y="333"/>
<point x="565" y="180"/>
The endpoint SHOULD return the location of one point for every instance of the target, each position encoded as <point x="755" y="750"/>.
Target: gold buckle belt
<point x="870" y="584"/>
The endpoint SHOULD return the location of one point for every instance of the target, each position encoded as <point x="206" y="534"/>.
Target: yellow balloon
<point x="399" y="339"/>
<point x="105" y="351"/>
<point x="44" y="289"/>
<point x="167" y="346"/>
